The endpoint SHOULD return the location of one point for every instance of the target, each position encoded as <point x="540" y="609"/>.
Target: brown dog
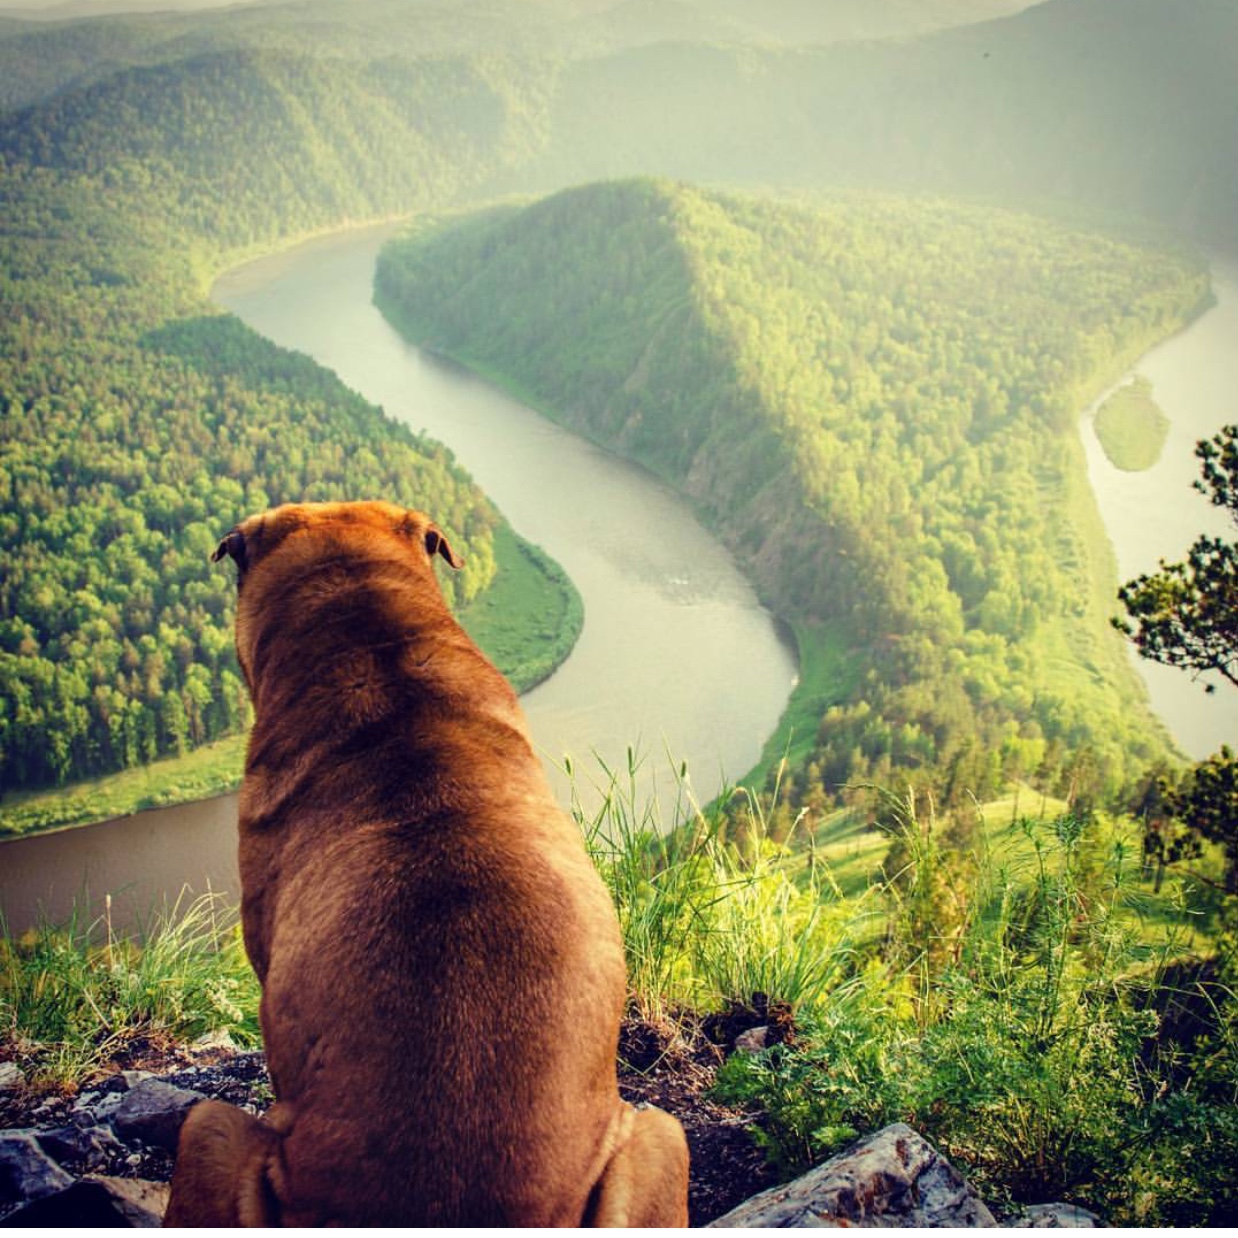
<point x="441" y="968"/>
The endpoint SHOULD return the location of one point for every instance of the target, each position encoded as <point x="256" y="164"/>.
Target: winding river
<point x="677" y="661"/>
<point x="677" y="658"/>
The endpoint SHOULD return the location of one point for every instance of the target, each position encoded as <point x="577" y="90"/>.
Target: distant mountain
<point x="56" y="54"/>
<point x="1113" y="105"/>
<point x="71" y="10"/>
<point x="241" y="146"/>
<point x="799" y="22"/>
<point x="1128" y="106"/>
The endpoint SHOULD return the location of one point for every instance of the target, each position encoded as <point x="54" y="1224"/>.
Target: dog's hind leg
<point x="645" y="1182"/>
<point x="222" y="1163"/>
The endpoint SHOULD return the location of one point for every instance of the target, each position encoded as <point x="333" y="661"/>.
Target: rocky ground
<point x="99" y="1128"/>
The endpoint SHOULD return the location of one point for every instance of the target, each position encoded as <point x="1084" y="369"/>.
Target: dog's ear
<point x="436" y="544"/>
<point x="234" y="546"/>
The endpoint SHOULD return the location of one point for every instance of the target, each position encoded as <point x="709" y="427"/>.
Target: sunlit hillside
<point x="873" y="401"/>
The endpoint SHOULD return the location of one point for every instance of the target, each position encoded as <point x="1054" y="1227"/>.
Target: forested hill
<point x="244" y="146"/>
<point x="44" y="58"/>
<point x="1127" y="106"/>
<point x="874" y="402"/>
<point x="136" y="424"/>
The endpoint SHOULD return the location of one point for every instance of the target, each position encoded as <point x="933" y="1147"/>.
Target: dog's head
<point x="285" y="544"/>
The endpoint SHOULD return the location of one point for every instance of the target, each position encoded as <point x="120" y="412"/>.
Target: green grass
<point x="527" y="622"/>
<point x="530" y="618"/>
<point x="1131" y="427"/>
<point x="1001" y="979"/>
<point x="72" y="996"/>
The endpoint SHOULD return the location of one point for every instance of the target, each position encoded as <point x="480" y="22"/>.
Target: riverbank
<point x="1157" y="514"/>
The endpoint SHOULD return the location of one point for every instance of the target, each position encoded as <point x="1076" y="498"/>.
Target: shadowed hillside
<point x="873" y="401"/>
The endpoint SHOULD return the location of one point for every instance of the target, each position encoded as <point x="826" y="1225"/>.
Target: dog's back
<point x="442" y="973"/>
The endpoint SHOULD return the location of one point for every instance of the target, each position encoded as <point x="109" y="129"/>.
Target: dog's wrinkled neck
<point x="337" y="621"/>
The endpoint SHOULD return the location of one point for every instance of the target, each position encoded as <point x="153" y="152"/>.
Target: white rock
<point x="892" y="1178"/>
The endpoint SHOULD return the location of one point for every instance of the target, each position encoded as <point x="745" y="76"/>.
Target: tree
<point x="1186" y="615"/>
<point x="1208" y="805"/>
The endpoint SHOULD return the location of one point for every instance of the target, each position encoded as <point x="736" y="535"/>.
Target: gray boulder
<point x="1056" y="1216"/>
<point x="96" y="1202"/>
<point x="152" y="1113"/>
<point x="26" y="1171"/>
<point x="78" y="1141"/>
<point x="892" y="1178"/>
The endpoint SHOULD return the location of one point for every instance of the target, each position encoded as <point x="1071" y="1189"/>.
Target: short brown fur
<point x="441" y="967"/>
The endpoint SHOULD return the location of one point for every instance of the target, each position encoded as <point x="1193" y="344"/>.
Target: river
<point x="1157" y="514"/>
<point x="676" y="654"/>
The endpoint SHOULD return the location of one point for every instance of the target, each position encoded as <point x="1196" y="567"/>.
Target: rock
<point x="93" y="1202"/>
<point x="97" y="1106"/>
<point x="892" y="1178"/>
<point x="752" y="1041"/>
<point x="152" y="1113"/>
<point x="11" y="1078"/>
<point x="91" y="1145"/>
<point x="26" y="1171"/>
<point x="217" y="1041"/>
<point x="1056" y="1216"/>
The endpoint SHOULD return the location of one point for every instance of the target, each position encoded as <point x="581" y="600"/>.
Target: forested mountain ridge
<point x="1124" y="107"/>
<point x="240" y="147"/>
<point x="873" y="400"/>
<point x="45" y="58"/>
<point x="138" y="424"/>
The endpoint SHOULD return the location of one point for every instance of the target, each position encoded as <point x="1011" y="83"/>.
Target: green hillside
<point x="1126" y="107"/>
<point x="137" y="424"/>
<point x="247" y="146"/>
<point x="141" y="154"/>
<point x="40" y="59"/>
<point x="874" y="402"/>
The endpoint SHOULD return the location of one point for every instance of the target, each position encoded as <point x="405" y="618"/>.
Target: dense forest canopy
<point x="135" y="429"/>
<point x="874" y="401"/>
<point x="141" y="153"/>
<point x="49" y="57"/>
